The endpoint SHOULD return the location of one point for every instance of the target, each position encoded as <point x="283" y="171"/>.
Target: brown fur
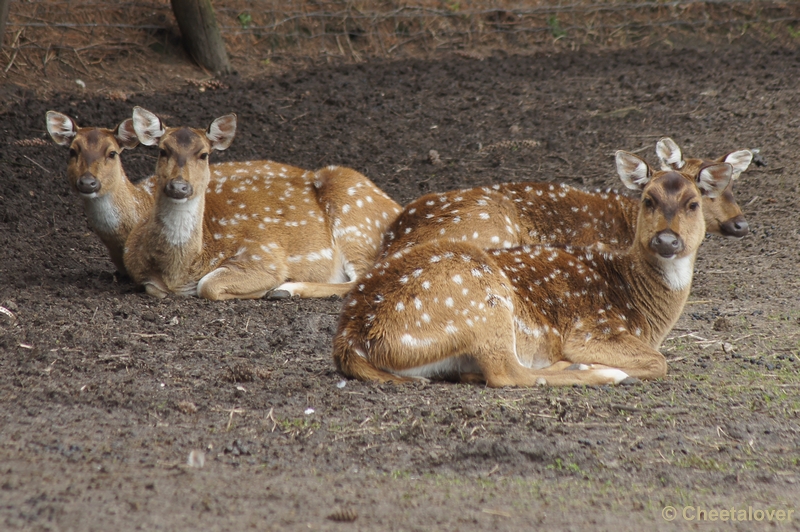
<point x="253" y="226"/>
<point x="522" y="316"/>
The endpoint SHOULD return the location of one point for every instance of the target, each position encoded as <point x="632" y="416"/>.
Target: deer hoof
<point x="628" y="381"/>
<point x="278" y="294"/>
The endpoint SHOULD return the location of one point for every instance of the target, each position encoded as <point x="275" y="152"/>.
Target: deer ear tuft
<point x="713" y="180"/>
<point x="148" y="126"/>
<point x="740" y="161"/>
<point x="62" y="129"/>
<point x="126" y="135"/>
<point x="634" y="172"/>
<point x="222" y="131"/>
<point x="670" y="155"/>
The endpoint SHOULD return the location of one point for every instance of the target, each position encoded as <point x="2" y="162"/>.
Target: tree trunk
<point x="3" y="18"/>
<point x="200" y="34"/>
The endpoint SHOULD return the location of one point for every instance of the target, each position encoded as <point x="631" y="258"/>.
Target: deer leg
<point x="235" y="283"/>
<point x="155" y="289"/>
<point x="500" y="364"/>
<point x="623" y="351"/>
<point x="320" y="290"/>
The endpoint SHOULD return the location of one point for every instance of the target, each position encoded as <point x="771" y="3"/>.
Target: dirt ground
<point x="105" y="392"/>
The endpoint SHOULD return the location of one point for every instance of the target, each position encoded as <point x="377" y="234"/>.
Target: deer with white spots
<point x="534" y="314"/>
<point x="112" y="204"/>
<point x="243" y="229"/>
<point x="515" y="214"/>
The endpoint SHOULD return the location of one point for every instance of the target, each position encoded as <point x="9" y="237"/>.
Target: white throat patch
<point x="102" y="213"/>
<point x="677" y="273"/>
<point x="180" y="220"/>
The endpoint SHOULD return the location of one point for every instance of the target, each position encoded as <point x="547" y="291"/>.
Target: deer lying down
<point x="251" y="226"/>
<point x="515" y="214"/>
<point x="534" y="314"/>
<point x="113" y="205"/>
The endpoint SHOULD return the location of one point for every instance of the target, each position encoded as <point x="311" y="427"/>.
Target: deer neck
<point x="104" y="213"/>
<point x="113" y="214"/>
<point x="657" y="287"/>
<point x="180" y="224"/>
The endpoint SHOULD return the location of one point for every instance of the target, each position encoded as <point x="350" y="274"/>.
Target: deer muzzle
<point x="178" y="189"/>
<point x="667" y="244"/>
<point x="88" y="184"/>
<point x="736" y="227"/>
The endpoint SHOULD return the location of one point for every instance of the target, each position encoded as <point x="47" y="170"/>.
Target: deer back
<point x="515" y="214"/>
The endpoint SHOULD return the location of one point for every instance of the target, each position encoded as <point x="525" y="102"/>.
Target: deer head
<point x="670" y="224"/>
<point x="94" y="167"/>
<point x="722" y="214"/>
<point x="182" y="167"/>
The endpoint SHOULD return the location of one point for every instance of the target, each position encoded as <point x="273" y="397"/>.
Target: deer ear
<point x="633" y="171"/>
<point x="148" y="126"/>
<point x="713" y="180"/>
<point x="670" y="155"/>
<point x="61" y="128"/>
<point x="739" y="160"/>
<point x="221" y="132"/>
<point x="126" y="135"/>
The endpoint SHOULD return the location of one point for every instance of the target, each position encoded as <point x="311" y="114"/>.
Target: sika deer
<point x="534" y="314"/>
<point x="113" y="205"/>
<point x="250" y="226"/>
<point x="515" y="214"/>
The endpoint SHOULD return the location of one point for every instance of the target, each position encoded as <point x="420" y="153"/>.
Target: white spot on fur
<point x="410" y="341"/>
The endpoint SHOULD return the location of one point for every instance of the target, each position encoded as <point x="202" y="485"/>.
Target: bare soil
<point x="105" y="392"/>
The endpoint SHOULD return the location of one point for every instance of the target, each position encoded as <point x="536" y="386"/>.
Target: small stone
<point x="196" y="458"/>
<point x="722" y="325"/>
<point x="187" y="407"/>
<point x="727" y="348"/>
<point x="433" y="157"/>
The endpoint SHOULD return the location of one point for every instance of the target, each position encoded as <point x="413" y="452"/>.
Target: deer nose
<point x="87" y="184"/>
<point x="178" y="189"/>
<point x="666" y="244"/>
<point x="736" y="227"/>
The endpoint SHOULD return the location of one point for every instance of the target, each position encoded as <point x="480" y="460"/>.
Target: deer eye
<point x="693" y="206"/>
<point x="112" y="155"/>
<point x="162" y="153"/>
<point x="649" y="203"/>
<point x="73" y="153"/>
<point x="203" y="156"/>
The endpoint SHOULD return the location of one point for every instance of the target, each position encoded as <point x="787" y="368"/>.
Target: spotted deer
<point x="534" y="314"/>
<point x="514" y="214"/>
<point x="242" y="229"/>
<point x="112" y="204"/>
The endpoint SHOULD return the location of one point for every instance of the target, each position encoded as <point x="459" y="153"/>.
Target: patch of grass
<point x="245" y="19"/>
<point x="694" y="461"/>
<point x="555" y="27"/>
<point x="570" y="467"/>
